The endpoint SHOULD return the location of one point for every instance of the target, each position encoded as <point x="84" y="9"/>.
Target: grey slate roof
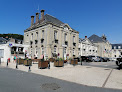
<point x="47" y="19"/>
<point x="94" y="39"/>
<point x="117" y="46"/>
<point x="2" y="40"/>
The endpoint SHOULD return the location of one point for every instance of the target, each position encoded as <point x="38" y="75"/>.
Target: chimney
<point x="42" y="15"/>
<point x="85" y="36"/>
<point x="32" y="20"/>
<point x="37" y="17"/>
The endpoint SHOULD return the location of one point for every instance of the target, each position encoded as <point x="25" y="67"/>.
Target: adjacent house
<point x="104" y="47"/>
<point x="49" y="36"/>
<point x="87" y="48"/>
<point x="116" y="50"/>
<point x="10" y="47"/>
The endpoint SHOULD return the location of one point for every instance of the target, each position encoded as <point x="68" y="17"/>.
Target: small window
<point x="119" y="47"/>
<point x="43" y="34"/>
<point x="73" y="38"/>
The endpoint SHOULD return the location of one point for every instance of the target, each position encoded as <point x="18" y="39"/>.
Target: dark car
<point x="105" y="59"/>
<point x="85" y="58"/>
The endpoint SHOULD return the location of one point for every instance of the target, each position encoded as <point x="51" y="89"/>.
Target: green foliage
<point x="9" y="35"/>
<point x="59" y="59"/>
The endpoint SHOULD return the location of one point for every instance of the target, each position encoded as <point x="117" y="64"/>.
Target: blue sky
<point x="86" y="16"/>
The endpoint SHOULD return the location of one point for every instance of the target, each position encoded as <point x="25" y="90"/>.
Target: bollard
<point x="49" y="65"/>
<point x="16" y="66"/>
<point x="29" y="69"/>
<point x="7" y="62"/>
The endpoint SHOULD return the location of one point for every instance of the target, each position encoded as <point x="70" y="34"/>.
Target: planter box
<point x="28" y="62"/>
<point x="58" y="63"/>
<point x="43" y="64"/>
<point x="20" y="61"/>
<point x="74" y="62"/>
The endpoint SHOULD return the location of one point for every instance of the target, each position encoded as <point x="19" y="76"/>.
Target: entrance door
<point x="64" y="53"/>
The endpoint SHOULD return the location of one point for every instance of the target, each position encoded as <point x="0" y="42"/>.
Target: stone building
<point x="49" y="36"/>
<point x="116" y="50"/>
<point x="87" y="48"/>
<point x="104" y="47"/>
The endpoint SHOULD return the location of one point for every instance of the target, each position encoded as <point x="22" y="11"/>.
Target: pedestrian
<point x="15" y="57"/>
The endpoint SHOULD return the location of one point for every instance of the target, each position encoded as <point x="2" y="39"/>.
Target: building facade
<point x="49" y="36"/>
<point x="87" y="48"/>
<point x="104" y="47"/>
<point x="116" y="50"/>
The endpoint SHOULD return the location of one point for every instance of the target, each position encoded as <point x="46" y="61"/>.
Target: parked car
<point x="105" y="59"/>
<point x="112" y="59"/>
<point x="85" y="58"/>
<point x="95" y="59"/>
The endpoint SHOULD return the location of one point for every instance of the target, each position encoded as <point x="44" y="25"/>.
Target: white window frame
<point x="42" y="50"/>
<point x="55" y="34"/>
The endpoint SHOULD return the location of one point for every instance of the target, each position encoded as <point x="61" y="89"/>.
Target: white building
<point x="9" y="49"/>
<point x="86" y="47"/>
<point x="116" y="50"/>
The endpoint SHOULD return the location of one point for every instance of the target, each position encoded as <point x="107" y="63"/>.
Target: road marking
<point x="107" y="79"/>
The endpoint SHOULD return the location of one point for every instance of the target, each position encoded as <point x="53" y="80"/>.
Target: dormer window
<point x="65" y="28"/>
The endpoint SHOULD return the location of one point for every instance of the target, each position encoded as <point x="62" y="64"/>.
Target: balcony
<point x="74" y="44"/>
<point x="19" y="52"/>
<point x="36" y="41"/>
<point x="66" y="43"/>
<point x="42" y="40"/>
<point x="31" y="42"/>
<point x="56" y="40"/>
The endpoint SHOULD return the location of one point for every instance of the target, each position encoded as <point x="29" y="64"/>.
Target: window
<point x="43" y="34"/>
<point x="73" y="51"/>
<point x="42" y="50"/>
<point x="36" y="34"/>
<point x="1" y="53"/>
<point x="55" y="34"/>
<point x="32" y="36"/>
<point x="65" y="37"/>
<point x="73" y="38"/>
<point x="55" y="49"/>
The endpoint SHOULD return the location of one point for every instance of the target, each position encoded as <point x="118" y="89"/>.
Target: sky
<point x="86" y="16"/>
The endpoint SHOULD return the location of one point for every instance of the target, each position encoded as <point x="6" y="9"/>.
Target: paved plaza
<point x="90" y="74"/>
